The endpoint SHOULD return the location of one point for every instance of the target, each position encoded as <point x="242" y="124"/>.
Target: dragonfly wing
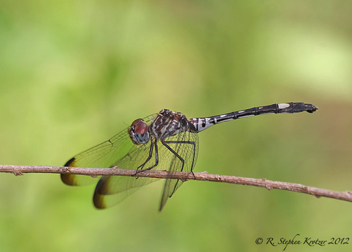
<point x="111" y="190"/>
<point x="104" y="155"/>
<point x="186" y="146"/>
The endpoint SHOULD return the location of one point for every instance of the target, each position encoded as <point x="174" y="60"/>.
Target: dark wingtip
<point x="98" y="199"/>
<point x="69" y="179"/>
<point x="70" y="162"/>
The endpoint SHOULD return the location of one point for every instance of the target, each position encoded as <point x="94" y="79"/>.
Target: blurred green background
<point x="74" y="73"/>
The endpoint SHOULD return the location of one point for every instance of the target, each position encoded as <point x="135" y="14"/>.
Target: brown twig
<point x="268" y="184"/>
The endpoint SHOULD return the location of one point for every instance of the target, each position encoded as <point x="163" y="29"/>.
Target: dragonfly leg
<point x="181" y="159"/>
<point x="146" y="161"/>
<point x="194" y="152"/>
<point x="165" y="143"/>
<point x="149" y="157"/>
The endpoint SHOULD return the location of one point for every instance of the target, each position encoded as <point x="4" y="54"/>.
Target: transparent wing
<point x="113" y="189"/>
<point x="104" y="155"/>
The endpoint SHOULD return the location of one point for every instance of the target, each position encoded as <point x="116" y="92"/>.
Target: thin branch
<point x="204" y="176"/>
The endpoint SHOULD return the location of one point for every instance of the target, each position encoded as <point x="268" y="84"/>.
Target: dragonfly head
<point x="139" y="132"/>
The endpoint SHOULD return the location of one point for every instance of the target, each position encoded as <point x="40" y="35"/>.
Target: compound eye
<point x="138" y="126"/>
<point x="138" y="132"/>
<point x="141" y="128"/>
<point x="137" y="121"/>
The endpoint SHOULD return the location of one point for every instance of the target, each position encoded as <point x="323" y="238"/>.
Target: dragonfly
<point x="163" y="141"/>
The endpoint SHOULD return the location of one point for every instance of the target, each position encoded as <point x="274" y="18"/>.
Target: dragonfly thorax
<point x="138" y="132"/>
<point x="168" y="123"/>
